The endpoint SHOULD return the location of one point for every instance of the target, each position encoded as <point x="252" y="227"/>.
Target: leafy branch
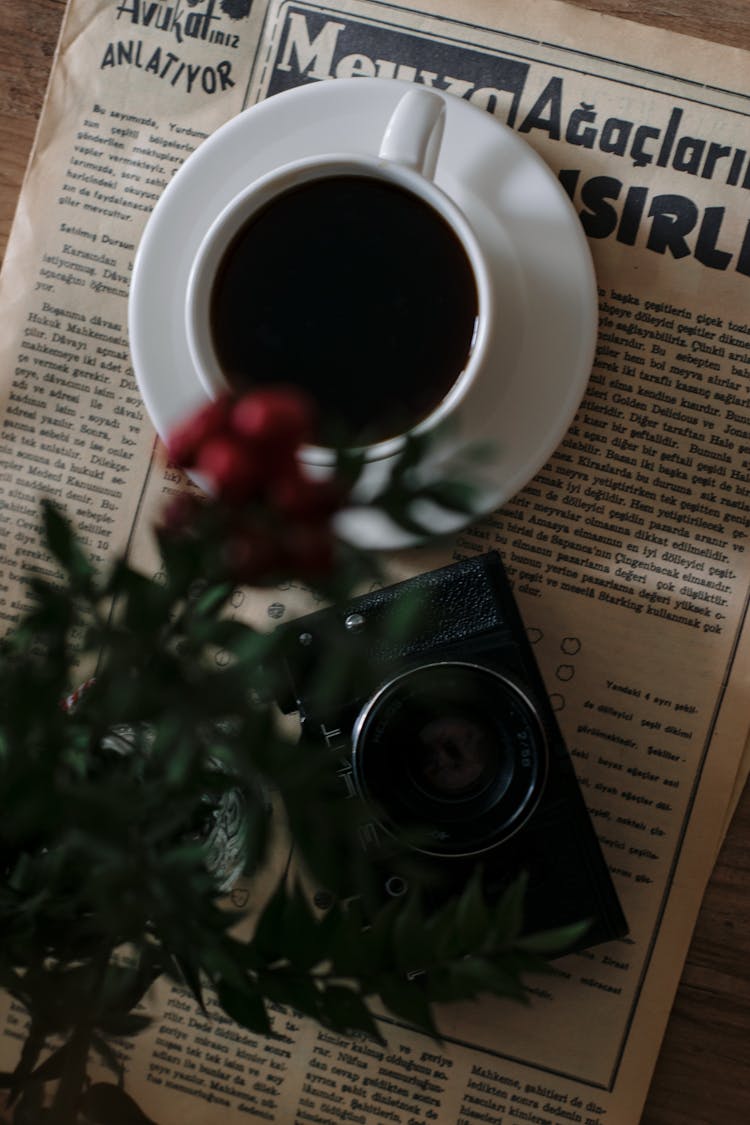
<point x="108" y="874"/>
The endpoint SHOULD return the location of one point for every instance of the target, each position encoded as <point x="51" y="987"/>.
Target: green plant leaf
<point x="65" y="547"/>
<point x="408" y="934"/>
<point x="108" y="1055"/>
<point x="245" y="1007"/>
<point x="476" y="975"/>
<point x="373" y="950"/>
<point x="344" y="1010"/>
<point x="349" y="466"/>
<point x="295" y="990"/>
<point x="29" y="1109"/>
<point x="105" y="1104"/>
<point x="408" y="1000"/>
<point x="30" y="1052"/>
<point x="190" y="971"/>
<point x="348" y="944"/>
<point x="522" y="963"/>
<point x="415" y="447"/>
<point x="53" y="1066"/>
<point x="555" y="941"/>
<point x="212" y="600"/>
<point x="506" y="919"/>
<point x="124" y="1023"/>
<point x="300" y="939"/>
<point x="265" y="941"/>
<point x="472" y="916"/>
<point x="457" y="496"/>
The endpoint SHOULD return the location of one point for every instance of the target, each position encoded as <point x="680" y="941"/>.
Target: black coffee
<point x="356" y="291"/>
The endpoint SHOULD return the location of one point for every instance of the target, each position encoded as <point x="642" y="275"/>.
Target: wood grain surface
<point x="703" y="1073"/>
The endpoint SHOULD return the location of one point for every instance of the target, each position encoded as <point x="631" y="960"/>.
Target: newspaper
<point x="629" y="551"/>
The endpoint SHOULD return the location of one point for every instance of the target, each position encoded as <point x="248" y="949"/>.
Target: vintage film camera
<point x="440" y="726"/>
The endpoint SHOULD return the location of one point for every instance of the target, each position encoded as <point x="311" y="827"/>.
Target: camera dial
<point x="453" y="757"/>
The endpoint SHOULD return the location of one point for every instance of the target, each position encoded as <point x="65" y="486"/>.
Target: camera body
<point x="439" y="725"/>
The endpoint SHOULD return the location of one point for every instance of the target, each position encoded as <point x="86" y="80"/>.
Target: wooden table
<point x="703" y="1073"/>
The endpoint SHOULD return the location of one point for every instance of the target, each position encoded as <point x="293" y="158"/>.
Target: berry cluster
<point x="274" y="519"/>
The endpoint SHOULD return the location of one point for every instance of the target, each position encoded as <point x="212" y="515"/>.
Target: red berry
<point x="298" y="496"/>
<point x="179" y="513"/>
<point x="231" y="467"/>
<point x="250" y="555"/>
<point x="310" y="550"/>
<point x="185" y="440"/>
<point x="280" y="419"/>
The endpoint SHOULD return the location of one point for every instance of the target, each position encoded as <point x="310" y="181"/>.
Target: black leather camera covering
<point x="463" y="612"/>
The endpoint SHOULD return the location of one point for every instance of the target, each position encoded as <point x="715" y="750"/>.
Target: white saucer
<point x="542" y="268"/>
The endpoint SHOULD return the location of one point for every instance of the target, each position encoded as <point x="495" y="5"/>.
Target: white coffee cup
<point x="407" y="158"/>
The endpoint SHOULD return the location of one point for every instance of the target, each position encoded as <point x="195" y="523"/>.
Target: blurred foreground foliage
<point x="109" y="805"/>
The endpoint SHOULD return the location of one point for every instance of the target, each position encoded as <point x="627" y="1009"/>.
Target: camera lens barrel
<point x="451" y="756"/>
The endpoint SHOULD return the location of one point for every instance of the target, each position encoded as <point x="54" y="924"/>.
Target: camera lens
<point x="452" y="755"/>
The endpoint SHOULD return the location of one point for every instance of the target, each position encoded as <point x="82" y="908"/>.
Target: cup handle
<point x="414" y="133"/>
